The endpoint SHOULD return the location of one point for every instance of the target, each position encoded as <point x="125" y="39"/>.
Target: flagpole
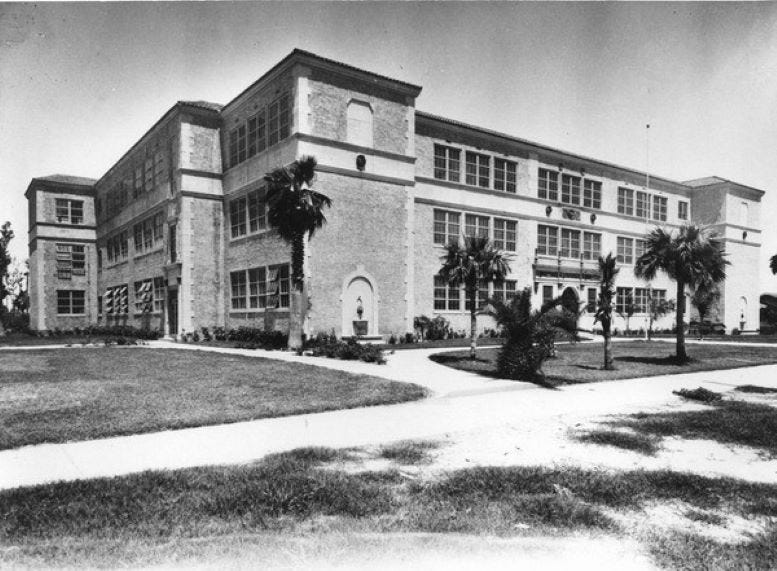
<point x="647" y="217"/>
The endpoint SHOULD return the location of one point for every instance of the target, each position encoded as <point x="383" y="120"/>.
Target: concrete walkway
<point x="462" y="402"/>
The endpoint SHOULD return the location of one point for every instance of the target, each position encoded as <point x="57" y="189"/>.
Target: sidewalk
<point x="462" y="402"/>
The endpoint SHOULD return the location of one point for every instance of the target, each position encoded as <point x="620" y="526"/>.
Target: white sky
<point x="80" y="83"/>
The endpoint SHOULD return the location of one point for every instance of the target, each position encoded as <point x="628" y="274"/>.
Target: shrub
<point x="392" y="340"/>
<point x="264" y="339"/>
<point x="346" y="350"/>
<point x="409" y="338"/>
<point x="206" y="336"/>
<point x="700" y="394"/>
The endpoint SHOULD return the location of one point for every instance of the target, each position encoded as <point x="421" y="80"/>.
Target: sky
<point x="81" y="82"/>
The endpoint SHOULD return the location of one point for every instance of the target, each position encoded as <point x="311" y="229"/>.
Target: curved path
<point x="462" y="402"/>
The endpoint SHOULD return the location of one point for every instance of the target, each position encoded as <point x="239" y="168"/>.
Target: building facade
<point x="175" y="235"/>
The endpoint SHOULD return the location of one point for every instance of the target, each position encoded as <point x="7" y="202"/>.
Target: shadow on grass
<point x="644" y="444"/>
<point x="409" y="452"/>
<point x="670" y="360"/>
<point x="755" y="389"/>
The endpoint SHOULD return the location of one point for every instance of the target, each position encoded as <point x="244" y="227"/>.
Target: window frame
<point x="547" y="184"/>
<point x="505" y="175"/>
<point x="69" y="302"/>
<point x="477" y="169"/>
<point x="625" y="201"/>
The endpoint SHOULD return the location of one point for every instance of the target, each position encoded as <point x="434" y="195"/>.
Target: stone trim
<point x="304" y="137"/>
<point x="202" y="195"/>
<point x="204" y="174"/>
<point x="365" y="176"/>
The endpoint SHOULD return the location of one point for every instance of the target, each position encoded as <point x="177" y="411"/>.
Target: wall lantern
<point x="744" y="235"/>
<point x="561" y="166"/>
<point x="582" y="171"/>
<point x="593" y="218"/>
<point x="548" y="210"/>
<point x="361" y="161"/>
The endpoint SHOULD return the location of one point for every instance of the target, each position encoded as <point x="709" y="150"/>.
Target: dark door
<point x="172" y="311"/>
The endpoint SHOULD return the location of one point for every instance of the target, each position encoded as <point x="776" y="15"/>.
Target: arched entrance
<point x="359" y="303"/>
<point x="569" y="300"/>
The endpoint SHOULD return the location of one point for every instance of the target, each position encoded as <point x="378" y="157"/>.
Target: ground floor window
<point x="71" y="302"/>
<point x="446" y="296"/>
<point x="116" y="300"/>
<point x="261" y="288"/>
<point x="547" y="294"/>
<point x="591" y="305"/>
<point x="504" y="290"/>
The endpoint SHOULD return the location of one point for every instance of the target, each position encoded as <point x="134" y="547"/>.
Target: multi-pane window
<point x="625" y="250"/>
<point x="238" y="289"/>
<point x="478" y="169"/>
<point x="590" y="307"/>
<point x="482" y="296"/>
<point x="260" y="288"/>
<point x="148" y="233"/>
<point x="278" y="120"/>
<point x="69" y="211"/>
<point x="547" y="185"/>
<point x="623" y="299"/>
<point x="148" y="181"/>
<point x="233" y="148"/>
<point x="504" y="234"/>
<point x="267" y="127"/>
<point x="592" y="245"/>
<point x="137" y="232"/>
<point x="626" y="201"/>
<point x="659" y="208"/>
<point x="642" y="205"/>
<point x="447" y="163"/>
<point x="158" y="227"/>
<point x="144" y="296"/>
<point x="71" y="302"/>
<point x="237" y="217"/>
<point x="116" y="300"/>
<point x="160" y="166"/>
<point x="639" y="248"/>
<point x="570" y="243"/>
<point x="682" y="210"/>
<point x="504" y="175"/>
<point x="641" y="300"/>
<point x="592" y="194"/>
<point x="504" y="290"/>
<point x="570" y="189"/>
<point x="446" y="296"/>
<point x="446" y="227"/>
<point x="137" y="183"/>
<point x="257" y="213"/>
<point x="159" y="294"/>
<point x="71" y="260"/>
<point x="547" y="240"/>
<point x="476" y="226"/>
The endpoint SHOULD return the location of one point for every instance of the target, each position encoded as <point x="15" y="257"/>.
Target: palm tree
<point x="530" y="335"/>
<point x="690" y="257"/>
<point x="474" y="263"/>
<point x="607" y="273"/>
<point x="773" y="264"/>
<point x="294" y="209"/>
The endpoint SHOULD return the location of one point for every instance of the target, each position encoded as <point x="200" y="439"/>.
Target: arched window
<point x="360" y="123"/>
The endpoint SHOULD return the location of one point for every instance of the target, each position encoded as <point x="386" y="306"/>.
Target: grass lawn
<point x="582" y="362"/>
<point x="58" y="395"/>
<point x="199" y="514"/>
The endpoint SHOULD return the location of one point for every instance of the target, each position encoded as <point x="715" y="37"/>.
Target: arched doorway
<point x="569" y="300"/>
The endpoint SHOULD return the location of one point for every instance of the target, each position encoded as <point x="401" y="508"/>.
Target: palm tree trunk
<point x="296" y="309"/>
<point x="473" y="321"/>
<point x="608" y="350"/>
<point x="680" y="350"/>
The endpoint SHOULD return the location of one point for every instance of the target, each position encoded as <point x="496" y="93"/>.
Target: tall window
<point x="547" y="294"/>
<point x="446" y="296"/>
<point x="626" y="201"/>
<point x="257" y="212"/>
<point x="504" y="290"/>
<point x="592" y="245"/>
<point x="590" y="307"/>
<point x="504" y="175"/>
<point x="447" y="163"/>
<point x="360" y="123"/>
<point x="622" y="297"/>
<point x="148" y="233"/>
<point x="570" y="243"/>
<point x="504" y="234"/>
<point x="639" y="248"/>
<point x="592" y="194"/>
<point x="237" y="217"/>
<point x="257" y="288"/>
<point x="233" y="148"/>
<point x="148" y="180"/>
<point x="71" y="302"/>
<point x="547" y="185"/>
<point x="267" y="127"/>
<point x="547" y="240"/>
<point x="625" y="250"/>
<point x="478" y="169"/>
<point x="446" y="227"/>
<point x="159" y="294"/>
<point x="69" y="211"/>
<point x="570" y="189"/>
<point x="641" y="299"/>
<point x="71" y="260"/>
<point x="238" y="289"/>
<point x="682" y="210"/>
<point x="659" y="208"/>
<point x="159" y="220"/>
<point x="642" y="206"/>
<point x="476" y="226"/>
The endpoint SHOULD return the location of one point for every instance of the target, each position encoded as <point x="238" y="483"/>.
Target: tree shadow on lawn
<point x="669" y="360"/>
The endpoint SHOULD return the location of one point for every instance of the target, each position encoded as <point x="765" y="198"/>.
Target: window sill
<point x="71" y="314"/>
<point x="148" y="253"/>
<point x="261" y="234"/>
<point x="247" y="312"/>
<point x="115" y="265"/>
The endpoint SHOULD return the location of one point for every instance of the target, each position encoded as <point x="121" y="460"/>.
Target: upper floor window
<point x="504" y="234"/>
<point x="626" y="201"/>
<point x="639" y="248"/>
<point x="682" y="210"/>
<point x="148" y="233"/>
<point x="592" y="194"/>
<point x="570" y="243"/>
<point x="117" y="247"/>
<point x="359" y="123"/>
<point x="257" y="133"/>
<point x="625" y="250"/>
<point x="592" y="245"/>
<point x="447" y="163"/>
<point x="278" y="120"/>
<point x="478" y="169"/>
<point x="69" y="211"/>
<point x="447" y="226"/>
<point x="659" y="208"/>
<point x="237" y="217"/>
<point x="642" y="206"/>
<point x="71" y="302"/>
<point x="267" y="127"/>
<point x="570" y="189"/>
<point x="547" y="240"/>
<point x="71" y="260"/>
<point x="504" y="175"/>
<point x="247" y="214"/>
<point x="547" y="185"/>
